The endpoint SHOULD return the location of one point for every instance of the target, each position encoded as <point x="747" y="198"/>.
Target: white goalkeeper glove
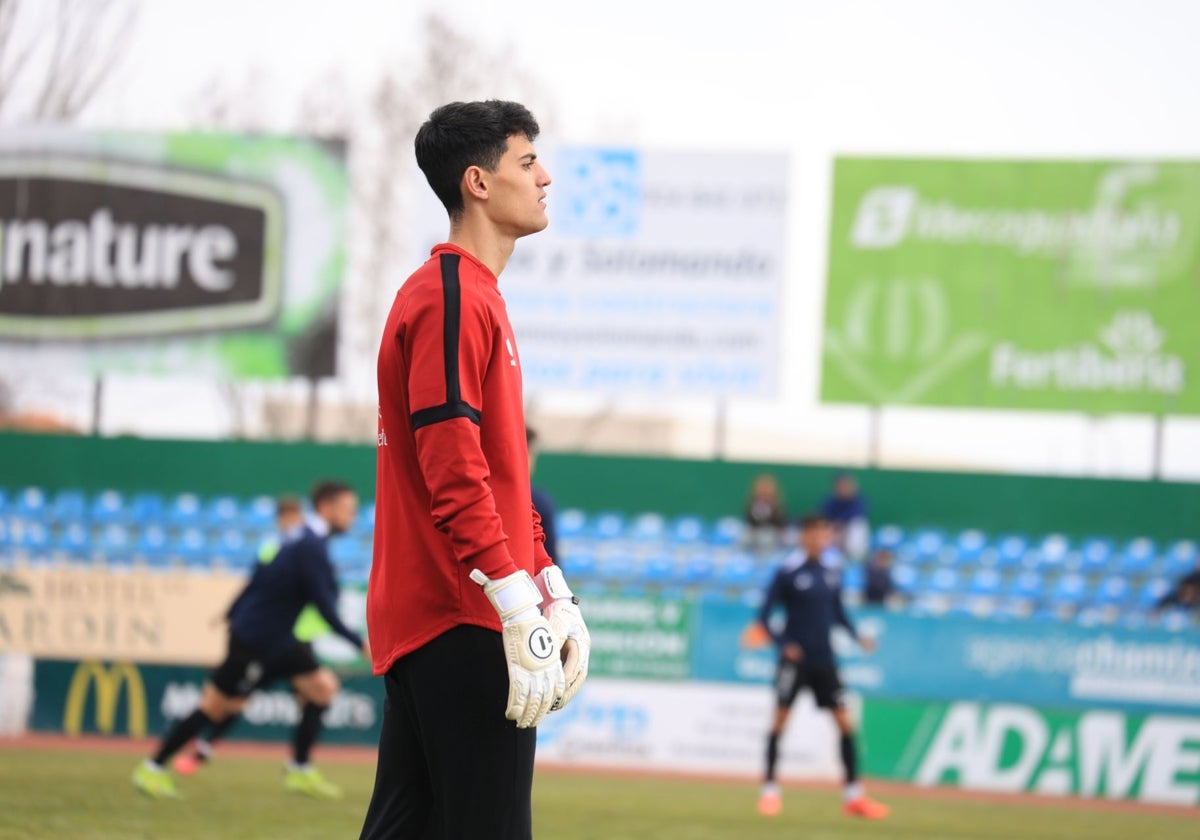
<point x="535" y="673"/>
<point x="561" y="609"/>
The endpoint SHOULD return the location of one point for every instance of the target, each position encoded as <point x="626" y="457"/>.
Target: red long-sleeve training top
<point x="452" y="466"/>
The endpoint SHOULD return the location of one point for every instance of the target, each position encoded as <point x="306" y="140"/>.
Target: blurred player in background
<point x="811" y="597"/>
<point x="289" y="524"/>
<point x="472" y="625"/>
<point x="263" y="648"/>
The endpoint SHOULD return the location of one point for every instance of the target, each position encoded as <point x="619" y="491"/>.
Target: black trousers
<point x="451" y="766"/>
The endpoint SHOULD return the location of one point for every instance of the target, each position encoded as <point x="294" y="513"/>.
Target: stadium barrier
<point x="1015" y="706"/>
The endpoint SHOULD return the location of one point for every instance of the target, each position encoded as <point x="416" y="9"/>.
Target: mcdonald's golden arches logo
<point x="108" y="682"/>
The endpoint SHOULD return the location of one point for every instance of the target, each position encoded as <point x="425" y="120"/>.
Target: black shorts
<point x="826" y="685"/>
<point x="451" y="766"/>
<point x="245" y="669"/>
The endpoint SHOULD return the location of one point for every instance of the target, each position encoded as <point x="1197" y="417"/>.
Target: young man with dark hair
<point x="263" y="648"/>
<point x="473" y="628"/>
<point x="811" y="596"/>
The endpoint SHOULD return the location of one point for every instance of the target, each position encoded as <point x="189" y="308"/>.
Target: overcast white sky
<point x="1106" y="78"/>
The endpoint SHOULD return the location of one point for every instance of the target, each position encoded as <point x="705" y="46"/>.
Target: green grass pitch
<point x="87" y="794"/>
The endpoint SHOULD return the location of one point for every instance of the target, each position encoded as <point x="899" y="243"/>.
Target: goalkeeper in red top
<point x="471" y="624"/>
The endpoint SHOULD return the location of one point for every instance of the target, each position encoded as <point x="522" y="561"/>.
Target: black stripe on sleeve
<point x="454" y="406"/>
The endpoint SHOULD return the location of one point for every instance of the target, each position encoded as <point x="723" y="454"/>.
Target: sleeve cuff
<point x="495" y="562"/>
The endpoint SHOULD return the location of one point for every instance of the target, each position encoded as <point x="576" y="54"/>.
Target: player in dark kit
<point x="473" y="628"/>
<point x="263" y="648"/>
<point x="810" y="595"/>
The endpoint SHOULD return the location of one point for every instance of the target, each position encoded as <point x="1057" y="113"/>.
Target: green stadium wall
<point x="994" y="503"/>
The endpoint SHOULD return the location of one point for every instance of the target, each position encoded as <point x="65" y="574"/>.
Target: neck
<point x="484" y="242"/>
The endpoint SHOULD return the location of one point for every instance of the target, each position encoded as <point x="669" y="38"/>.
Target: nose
<point x="543" y="177"/>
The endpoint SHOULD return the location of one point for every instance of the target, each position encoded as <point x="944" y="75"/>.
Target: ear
<point x="474" y="183"/>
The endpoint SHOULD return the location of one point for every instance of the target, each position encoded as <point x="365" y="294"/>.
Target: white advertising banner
<point x="660" y="272"/>
<point x="706" y="728"/>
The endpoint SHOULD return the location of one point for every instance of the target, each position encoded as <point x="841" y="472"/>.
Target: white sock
<point x="297" y="768"/>
<point x="853" y="791"/>
<point x="151" y="765"/>
<point x="770" y="787"/>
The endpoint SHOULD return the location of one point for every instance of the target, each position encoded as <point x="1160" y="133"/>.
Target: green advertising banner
<point x="208" y="254"/>
<point x="1013" y="748"/>
<point x="1049" y="285"/>
<point x="640" y="635"/>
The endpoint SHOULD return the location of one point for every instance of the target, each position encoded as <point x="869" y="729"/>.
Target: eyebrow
<point x="529" y="156"/>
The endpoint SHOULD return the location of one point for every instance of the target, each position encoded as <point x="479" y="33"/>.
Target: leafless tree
<point x="55" y="57"/>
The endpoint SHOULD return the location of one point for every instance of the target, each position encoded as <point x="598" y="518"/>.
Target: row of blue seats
<point x="182" y="510"/>
<point x="922" y="547"/>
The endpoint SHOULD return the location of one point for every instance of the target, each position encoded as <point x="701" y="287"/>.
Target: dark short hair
<point x="812" y="520"/>
<point x="464" y="134"/>
<point x="287" y="504"/>
<point x="327" y="490"/>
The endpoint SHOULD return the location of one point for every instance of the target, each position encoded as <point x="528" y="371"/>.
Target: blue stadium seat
<point x="152" y="539"/>
<point x="1027" y="584"/>
<point x="223" y="512"/>
<point x="368" y="514"/>
<point x="1138" y="556"/>
<point x="1181" y="558"/>
<point x="648" y="526"/>
<point x="657" y="568"/>
<point x="687" y="530"/>
<point x="570" y="522"/>
<point x="854" y="577"/>
<point x="108" y="506"/>
<point x="728" y="530"/>
<point x="115" y="542"/>
<point x="970" y="545"/>
<point x="30" y="503"/>
<point x="146" y="507"/>
<point x="616" y="566"/>
<point x="985" y="582"/>
<point x="928" y="544"/>
<point x="1053" y="551"/>
<point x="3" y="500"/>
<point x="191" y="546"/>
<point x="944" y="581"/>
<point x="184" y="510"/>
<point x="1113" y="591"/>
<point x="346" y="553"/>
<point x="259" y="512"/>
<point x="738" y="570"/>
<point x="32" y="536"/>
<point x="1010" y="551"/>
<point x="69" y="506"/>
<point x="579" y="564"/>
<point x="608" y="526"/>
<point x="74" y="539"/>
<point x="1071" y="589"/>
<point x="906" y="577"/>
<point x="1152" y="591"/>
<point x="233" y="541"/>
<point x="889" y="537"/>
<point x="698" y="568"/>
<point x="1096" y="554"/>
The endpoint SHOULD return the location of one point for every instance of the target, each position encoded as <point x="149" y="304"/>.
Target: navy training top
<point x="264" y="614"/>
<point x="811" y="597"/>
